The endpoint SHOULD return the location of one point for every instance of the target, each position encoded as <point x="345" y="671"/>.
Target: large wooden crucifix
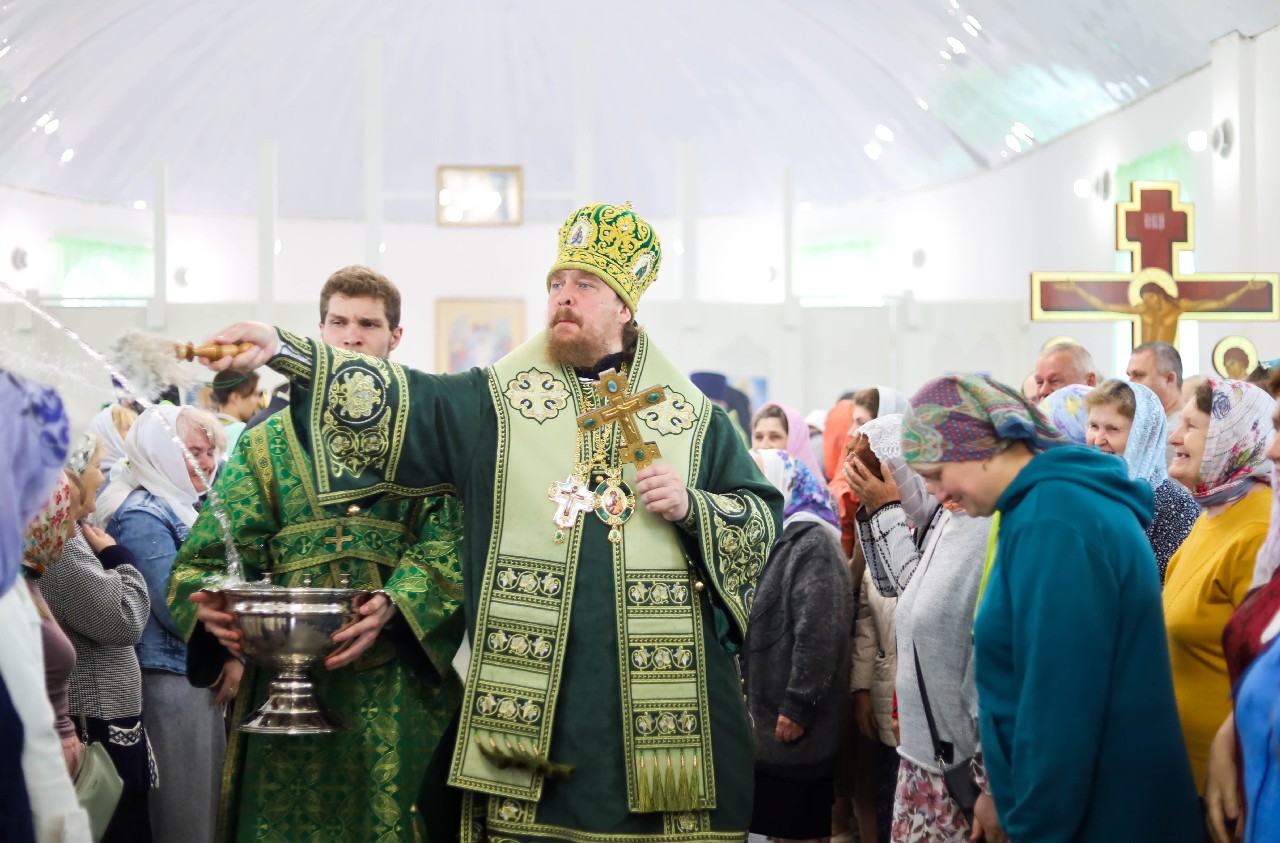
<point x="1154" y="226"/>
<point x="622" y="408"/>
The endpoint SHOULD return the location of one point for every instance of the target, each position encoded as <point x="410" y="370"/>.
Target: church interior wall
<point x="964" y="308"/>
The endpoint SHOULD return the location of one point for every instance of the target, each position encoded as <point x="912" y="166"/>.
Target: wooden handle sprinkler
<point x="212" y="351"/>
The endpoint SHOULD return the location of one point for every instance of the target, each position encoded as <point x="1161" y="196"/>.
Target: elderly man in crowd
<point x="1062" y="364"/>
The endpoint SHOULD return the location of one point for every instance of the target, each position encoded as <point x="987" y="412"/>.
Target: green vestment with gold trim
<point x="613" y="659"/>
<point x="397" y="701"/>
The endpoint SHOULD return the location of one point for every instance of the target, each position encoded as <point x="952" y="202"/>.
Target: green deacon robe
<point x="396" y="701"/>
<point x="613" y="660"/>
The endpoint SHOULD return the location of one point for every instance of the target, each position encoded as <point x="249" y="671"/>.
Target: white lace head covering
<point x="1144" y="452"/>
<point x="884" y="435"/>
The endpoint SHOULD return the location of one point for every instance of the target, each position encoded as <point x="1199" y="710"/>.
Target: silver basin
<point x="289" y="629"/>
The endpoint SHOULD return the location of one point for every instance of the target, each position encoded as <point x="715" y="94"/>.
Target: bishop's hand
<point x="262" y="336"/>
<point x="662" y="491"/>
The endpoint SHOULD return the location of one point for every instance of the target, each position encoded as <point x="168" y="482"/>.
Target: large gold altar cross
<point x="1155" y="226"/>
<point x="621" y="409"/>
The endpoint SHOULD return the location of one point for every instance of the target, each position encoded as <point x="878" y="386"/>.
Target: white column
<point x="688" y="210"/>
<point x="790" y="305"/>
<point x="266" y="232"/>
<point x="160" y="249"/>
<point x="1231" y="237"/>
<point x="374" y="132"/>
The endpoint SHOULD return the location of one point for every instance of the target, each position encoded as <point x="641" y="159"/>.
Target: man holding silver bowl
<point x="383" y="572"/>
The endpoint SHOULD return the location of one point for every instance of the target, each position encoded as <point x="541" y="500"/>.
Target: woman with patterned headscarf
<point x="1248" y="643"/>
<point x="1220" y="456"/>
<point x="1076" y="708"/>
<point x="99" y="598"/>
<point x="929" y="559"/>
<point x="1128" y="420"/>
<point x="795" y="658"/>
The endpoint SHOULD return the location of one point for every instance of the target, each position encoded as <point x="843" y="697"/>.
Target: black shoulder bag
<point x="959" y="778"/>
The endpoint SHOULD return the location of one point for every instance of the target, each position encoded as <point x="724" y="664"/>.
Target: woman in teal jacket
<point x="1076" y="712"/>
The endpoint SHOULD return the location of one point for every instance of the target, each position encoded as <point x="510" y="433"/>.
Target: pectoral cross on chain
<point x="339" y="539"/>
<point x="574" y="498"/>
<point x="622" y="408"/>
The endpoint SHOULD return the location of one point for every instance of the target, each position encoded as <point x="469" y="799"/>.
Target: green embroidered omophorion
<point x="602" y="700"/>
<point x="396" y="701"/>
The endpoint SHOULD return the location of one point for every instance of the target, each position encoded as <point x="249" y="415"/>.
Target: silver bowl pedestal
<point x="289" y="629"/>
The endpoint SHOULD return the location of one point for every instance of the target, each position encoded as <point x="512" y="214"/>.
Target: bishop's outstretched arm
<point x="371" y="426"/>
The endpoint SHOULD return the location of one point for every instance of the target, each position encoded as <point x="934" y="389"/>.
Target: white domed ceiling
<point x="858" y="98"/>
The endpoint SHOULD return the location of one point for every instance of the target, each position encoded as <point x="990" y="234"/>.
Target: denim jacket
<point x="153" y="533"/>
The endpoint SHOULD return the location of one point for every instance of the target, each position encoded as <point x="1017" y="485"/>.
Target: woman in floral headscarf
<point x="1220" y="456"/>
<point x="795" y="661"/>
<point x="42" y="549"/>
<point x="1075" y="699"/>
<point x="100" y="600"/>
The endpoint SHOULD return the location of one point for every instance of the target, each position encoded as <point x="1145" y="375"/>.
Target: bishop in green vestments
<point x="606" y="593"/>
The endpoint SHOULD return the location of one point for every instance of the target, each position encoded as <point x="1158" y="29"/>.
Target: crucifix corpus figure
<point x="1155" y="227"/>
<point x="568" y="731"/>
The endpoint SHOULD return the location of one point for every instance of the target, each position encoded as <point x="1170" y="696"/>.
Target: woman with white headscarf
<point x="185" y="724"/>
<point x="795" y="658"/>
<point x="1128" y="420"/>
<point x="929" y="558"/>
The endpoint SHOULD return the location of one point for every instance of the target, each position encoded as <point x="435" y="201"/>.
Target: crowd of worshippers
<point x="969" y="581"/>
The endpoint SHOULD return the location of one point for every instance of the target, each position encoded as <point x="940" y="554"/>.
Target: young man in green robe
<point x="616" y="526"/>
<point x="391" y="687"/>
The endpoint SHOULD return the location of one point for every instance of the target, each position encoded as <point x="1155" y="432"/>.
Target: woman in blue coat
<point x="1076" y="713"/>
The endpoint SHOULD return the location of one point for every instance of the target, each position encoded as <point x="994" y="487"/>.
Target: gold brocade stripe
<point x="500" y="819"/>
<point x="515" y="583"/>
<point x="327" y="525"/>
<point x="359" y="417"/>
<point x="741" y="552"/>
<point x="667" y="769"/>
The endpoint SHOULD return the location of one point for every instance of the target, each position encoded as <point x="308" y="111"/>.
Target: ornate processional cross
<point x="1155" y="226"/>
<point x="621" y="409"/>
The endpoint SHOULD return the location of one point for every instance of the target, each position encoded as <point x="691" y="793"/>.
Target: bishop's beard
<point x="581" y="351"/>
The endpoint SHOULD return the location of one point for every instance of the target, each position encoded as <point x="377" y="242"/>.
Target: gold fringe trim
<point x="665" y="783"/>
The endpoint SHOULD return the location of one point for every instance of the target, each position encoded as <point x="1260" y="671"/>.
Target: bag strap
<point x="943" y="752"/>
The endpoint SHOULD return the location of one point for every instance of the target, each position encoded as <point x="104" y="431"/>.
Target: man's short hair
<point x="1166" y="357"/>
<point x="1080" y="357"/>
<point x="358" y="281"/>
<point x="227" y="384"/>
